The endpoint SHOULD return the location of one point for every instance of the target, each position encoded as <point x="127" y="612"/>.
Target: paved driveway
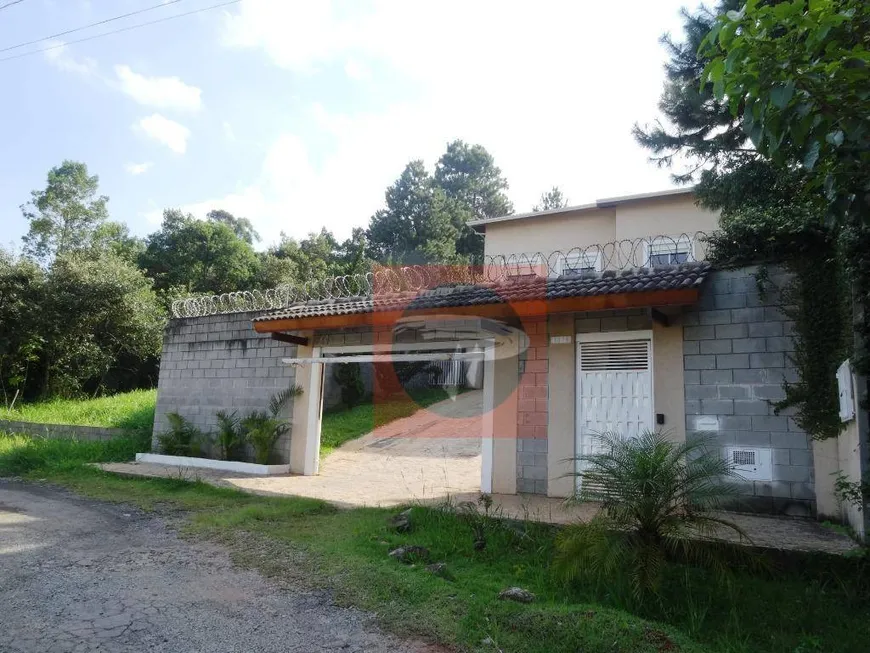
<point x="429" y="456"/>
<point x="77" y="575"/>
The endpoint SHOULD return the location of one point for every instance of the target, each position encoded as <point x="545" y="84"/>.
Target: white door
<point x="614" y="387"/>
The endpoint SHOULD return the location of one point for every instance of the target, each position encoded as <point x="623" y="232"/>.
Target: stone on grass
<point x="440" y="569"/>
<point x="401" y="523"/>
<point x="517" y="594"/>
<point x="410" y="554"/>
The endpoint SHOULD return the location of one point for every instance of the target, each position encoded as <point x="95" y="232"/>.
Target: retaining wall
<point x="93" y="433"/>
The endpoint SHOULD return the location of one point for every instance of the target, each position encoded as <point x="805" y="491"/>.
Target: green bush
<point x="182" y="438"/>
<point x="657" y="498"/>
<point x="229" y="435"/>
<point x="262" y="429"/>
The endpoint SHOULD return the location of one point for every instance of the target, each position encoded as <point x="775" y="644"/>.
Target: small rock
<point x="487" y="641"/>
<point x="517" y="594"/>
<point x="410" y="553"/>
<point x="440" y="569"/>
<point x="402" y="522"/>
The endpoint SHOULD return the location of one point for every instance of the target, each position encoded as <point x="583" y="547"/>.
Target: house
<point x="588" y="318"/>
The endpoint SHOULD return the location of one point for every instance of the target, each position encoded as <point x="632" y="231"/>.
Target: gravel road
<point x="80" y="575"/>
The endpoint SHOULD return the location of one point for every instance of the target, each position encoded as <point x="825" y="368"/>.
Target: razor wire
<point x="618" y="255"/>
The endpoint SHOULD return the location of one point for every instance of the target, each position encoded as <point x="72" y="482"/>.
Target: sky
<point x="299" y="114"/>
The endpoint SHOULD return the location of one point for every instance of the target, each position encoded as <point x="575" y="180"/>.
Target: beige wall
<point x="826" y="463"/>
<point x="668" y="389"/>
<point x="666" y="216"/>
<point x="850" y="464"/>
<point x="545" y="234"/>
<point x="504" y="419"/>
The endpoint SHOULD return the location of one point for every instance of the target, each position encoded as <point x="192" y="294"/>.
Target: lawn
<point x="129" y="410"/>
<point x="341" y="425"/>
<point x="804" y="604"/>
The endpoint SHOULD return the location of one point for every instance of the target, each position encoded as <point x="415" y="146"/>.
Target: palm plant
<point x="229" y="435"/>
<point x="263" y="428"/>
<point x="181" y="438"/>
<point x="658" y="499"/>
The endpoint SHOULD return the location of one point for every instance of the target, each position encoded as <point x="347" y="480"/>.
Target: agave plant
<point x="658" y="499"/>
<point x="229" y="434"/>
<point x="263" y="428"/>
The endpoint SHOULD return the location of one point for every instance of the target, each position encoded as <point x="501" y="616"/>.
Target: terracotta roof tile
<point x="687" y="275"/>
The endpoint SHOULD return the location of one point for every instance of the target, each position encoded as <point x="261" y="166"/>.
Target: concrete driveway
<point x="429" y="456"/>
<point x="79" y="575"/>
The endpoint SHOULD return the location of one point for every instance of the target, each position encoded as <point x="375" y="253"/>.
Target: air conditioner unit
<point x="751" y="464"/>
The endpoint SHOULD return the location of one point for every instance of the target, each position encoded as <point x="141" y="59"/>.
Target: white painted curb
<point x="222" y="465"/>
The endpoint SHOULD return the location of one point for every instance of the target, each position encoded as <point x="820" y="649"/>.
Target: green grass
<point x="130" y="410"/>
<point x="811" y="604"/>
<point x="342" y="425"/>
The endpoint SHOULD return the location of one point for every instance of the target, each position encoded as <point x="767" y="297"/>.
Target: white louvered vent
<point x="751" y="464"/>
<point x="614" y="356"/>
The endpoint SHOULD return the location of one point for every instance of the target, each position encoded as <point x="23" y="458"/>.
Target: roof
<point x="597" y="204"/>
<point x="688" y="276"/>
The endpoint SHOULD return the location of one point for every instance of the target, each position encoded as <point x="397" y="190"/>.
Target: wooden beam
<point x="660" y="317"/>
<point x="524" y="308"/>
<point x="290" y="338"/>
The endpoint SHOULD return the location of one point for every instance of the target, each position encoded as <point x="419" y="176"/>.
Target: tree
<point x="201" y="256"/>
<point x="95" y="313"/>
<point x="552" y="199"/>
<point x="468" y="175"/>
<point x="242" y="227"/>
<point x="21" y="282"/>
<point x="66" y="214"/>
<point x="317" y="257"/>
<point x="795" y="73"/>
<point x="769" y="213"/>
<point x="419" y="223"/>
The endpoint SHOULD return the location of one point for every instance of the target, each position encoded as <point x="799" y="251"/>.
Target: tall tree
<point x="64" y="215"/>
<point x="419" y="224"/>
<point x="242" y="227"/>
<point x="768" y="212"/>
<point x="552" y="199"/>
<point x="202" y="256"/>
<point x="94" y="313"/>
<point x="21" y="295"/>
<point x="468" y="175"/>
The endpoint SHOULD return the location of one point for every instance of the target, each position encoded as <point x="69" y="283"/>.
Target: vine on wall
<point x="816" y="297"/>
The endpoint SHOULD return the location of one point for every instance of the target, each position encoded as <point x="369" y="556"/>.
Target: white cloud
<point x="552" y="92"/>
<point x="159" y="92"/>
<point x="138" y="168"/>
<point x="172" y="134"/>
<point x="229" y="132"/>
<point x="60" y="57"/>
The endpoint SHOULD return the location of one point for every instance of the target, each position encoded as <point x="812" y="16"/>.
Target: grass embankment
<point x="133" y="411"/>
<point x="817" y="605"/>
<point x="342" y="425"/>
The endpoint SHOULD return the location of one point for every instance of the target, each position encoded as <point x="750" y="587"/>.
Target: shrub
<point x="262" y="429"/>
<point x="657" y="498"/>
<point x="350" y="383"/>
<point x="229" y="435"/>
<point x="182" y="438"/>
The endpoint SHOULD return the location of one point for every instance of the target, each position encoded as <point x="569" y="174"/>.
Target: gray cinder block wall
<point x="220" y="363"/>
<point x="736" y="346"/>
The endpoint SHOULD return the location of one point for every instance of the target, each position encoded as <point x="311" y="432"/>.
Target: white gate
<point x="614" y="387"/>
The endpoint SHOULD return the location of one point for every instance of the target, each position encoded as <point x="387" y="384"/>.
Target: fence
<point x="617" y="255"/>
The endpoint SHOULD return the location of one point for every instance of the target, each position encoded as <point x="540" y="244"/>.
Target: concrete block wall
<point x="736" y="352"/>
<point x="220" y="363"/>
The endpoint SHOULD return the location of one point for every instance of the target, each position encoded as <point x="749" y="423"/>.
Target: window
<point x="668" y="250"/>
<point x="577" y="263"/>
